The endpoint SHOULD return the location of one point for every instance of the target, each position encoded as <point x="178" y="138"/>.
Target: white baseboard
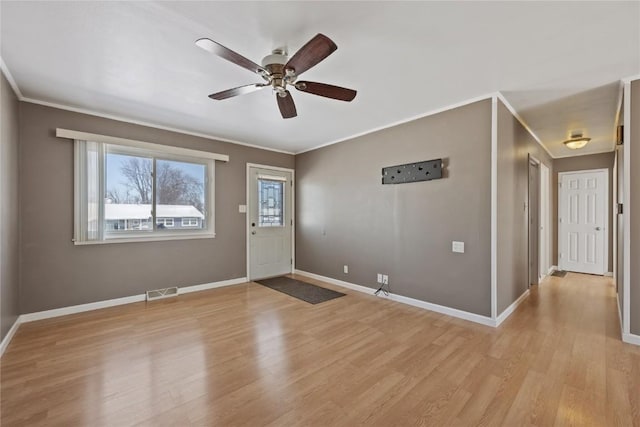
<point x="552" y="269"/>
<point x="47" y="314"/>
<point x="333" y="281"/>
<point x="7" y="338"/>
<point x="609" y="274"/>
<point x="56" y="312"/>
<point x="631" y="339"/>
<point x="213" y="285"/>
<point x="453" y="312"/>
<point x="507" y="312"/>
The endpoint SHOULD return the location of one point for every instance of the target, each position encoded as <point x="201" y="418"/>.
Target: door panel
<point x="582" y="221"/>
<point x="270" y="222"/>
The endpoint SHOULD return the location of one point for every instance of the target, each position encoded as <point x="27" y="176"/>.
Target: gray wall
<point x="634" y="186"/>
<point x="9" y="205"/>
<point x="55" y="273"/>
<point x="577" y="163"/>
<point x="514" y="146"/>
<point x="346" y="216"/>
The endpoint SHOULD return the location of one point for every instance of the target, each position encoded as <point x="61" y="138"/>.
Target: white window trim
<point x="169" y="149"/>
<point x="162" y="151"/>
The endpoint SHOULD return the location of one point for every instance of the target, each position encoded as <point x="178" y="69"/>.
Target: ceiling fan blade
<point x="231" y="56"/>
<point x="329" y="91"/>
<point x="237" y="91"/>
<point x="316" y="49"/>
<point x="287" y="106"/>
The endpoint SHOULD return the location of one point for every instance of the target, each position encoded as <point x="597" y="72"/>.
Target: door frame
<point x="293" y="213"/>
<point x="533" y="161"/>
<point x="605" y="261"/>
<point x="545" y="221"/>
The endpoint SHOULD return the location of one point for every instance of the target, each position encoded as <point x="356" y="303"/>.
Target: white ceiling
<point x="557" y="63"/>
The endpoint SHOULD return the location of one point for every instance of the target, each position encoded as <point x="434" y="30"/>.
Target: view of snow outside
<point x="179" y="193"/>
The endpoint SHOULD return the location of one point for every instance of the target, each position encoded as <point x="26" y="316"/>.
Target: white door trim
<point x="605" y="261"/>
<point x="534" y="161"/>
<point x="293" y="214"/>
<point x="544" y="236"/>
<point x="626" y="212"/>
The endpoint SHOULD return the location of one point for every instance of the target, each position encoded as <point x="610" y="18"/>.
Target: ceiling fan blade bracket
<point x="327" y="91"/>
<point x="230" y="93"/>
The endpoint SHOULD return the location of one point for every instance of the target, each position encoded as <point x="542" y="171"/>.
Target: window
<point x="190" y="222"/>
<point x="164" y="222"/>
<point x="142" y="191"/>
<point x="270" y="202"/>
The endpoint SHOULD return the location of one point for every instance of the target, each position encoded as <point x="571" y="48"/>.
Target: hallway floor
<point x="247" y="355"/>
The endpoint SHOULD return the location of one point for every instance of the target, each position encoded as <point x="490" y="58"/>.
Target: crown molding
<point x="10" y="79"/>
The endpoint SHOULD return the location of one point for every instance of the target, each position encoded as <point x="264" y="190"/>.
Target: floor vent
<point x="162" y="293"/>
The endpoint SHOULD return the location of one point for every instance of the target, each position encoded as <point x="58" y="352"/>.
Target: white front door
<point x="270" y="222"/>
<point x="582" y="217"/>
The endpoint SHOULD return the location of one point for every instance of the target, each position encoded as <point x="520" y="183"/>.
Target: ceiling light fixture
<point x="577" y="141"/>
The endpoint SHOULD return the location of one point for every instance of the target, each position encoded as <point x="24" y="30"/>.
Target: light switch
<point x="457" y="247"/>
<point x="242" y="208"/>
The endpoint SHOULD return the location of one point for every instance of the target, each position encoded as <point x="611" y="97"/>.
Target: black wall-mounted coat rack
<point x="412" y="172"/>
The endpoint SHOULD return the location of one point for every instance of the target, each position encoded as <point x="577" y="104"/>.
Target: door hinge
<point x="560" y="255"/>
<point x="620" y="134"/>
<point x="291" y="261"/>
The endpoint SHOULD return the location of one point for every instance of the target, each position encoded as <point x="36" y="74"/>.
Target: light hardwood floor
<point x="248" y="355"/>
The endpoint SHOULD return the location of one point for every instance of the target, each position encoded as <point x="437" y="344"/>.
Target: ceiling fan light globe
<point x="577" y="143"/>
<point x="274" y="58"/>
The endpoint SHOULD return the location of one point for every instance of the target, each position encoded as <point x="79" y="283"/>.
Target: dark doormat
<point x="304" y="291"/>
<point x="559" y="273"/>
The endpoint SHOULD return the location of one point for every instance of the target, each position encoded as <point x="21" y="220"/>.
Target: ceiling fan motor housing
<point x="278" y="77"/>
<point x="277" y="57"/>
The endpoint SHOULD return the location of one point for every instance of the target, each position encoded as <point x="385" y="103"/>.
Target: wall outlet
<point x="346" y="269"/>
<point x="457" y="247"/>
<point x="379" y="278"/>
<point x="385" y="279"/>
<point x="242" y="208"/>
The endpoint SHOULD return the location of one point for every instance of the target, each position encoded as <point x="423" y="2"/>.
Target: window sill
<point x="146" y="239"/>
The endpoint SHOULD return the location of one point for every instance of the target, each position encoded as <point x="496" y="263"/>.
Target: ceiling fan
<point x="279" y="71"/>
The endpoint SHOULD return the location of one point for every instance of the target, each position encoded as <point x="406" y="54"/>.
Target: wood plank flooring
<point x="247" y="355"/>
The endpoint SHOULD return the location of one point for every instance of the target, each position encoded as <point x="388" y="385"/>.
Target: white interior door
<point x="582" y="217"/>
<point x="270" y="222"/>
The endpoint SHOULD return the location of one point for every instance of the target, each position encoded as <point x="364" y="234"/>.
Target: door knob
<point x="598" y="228"/>
<point x="253" y="232"/>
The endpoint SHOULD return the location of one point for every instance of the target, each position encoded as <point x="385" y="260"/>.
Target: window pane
<point x="270" y="203"/>
<point x="129" y="185"/>
<point x="180" y="195"/>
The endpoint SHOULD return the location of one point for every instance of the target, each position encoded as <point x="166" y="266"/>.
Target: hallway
<point x="578" y="362"/>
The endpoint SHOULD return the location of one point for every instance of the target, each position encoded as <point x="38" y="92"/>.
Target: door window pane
<point x="270" y="203"/>
<point x="180" y="195"/>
